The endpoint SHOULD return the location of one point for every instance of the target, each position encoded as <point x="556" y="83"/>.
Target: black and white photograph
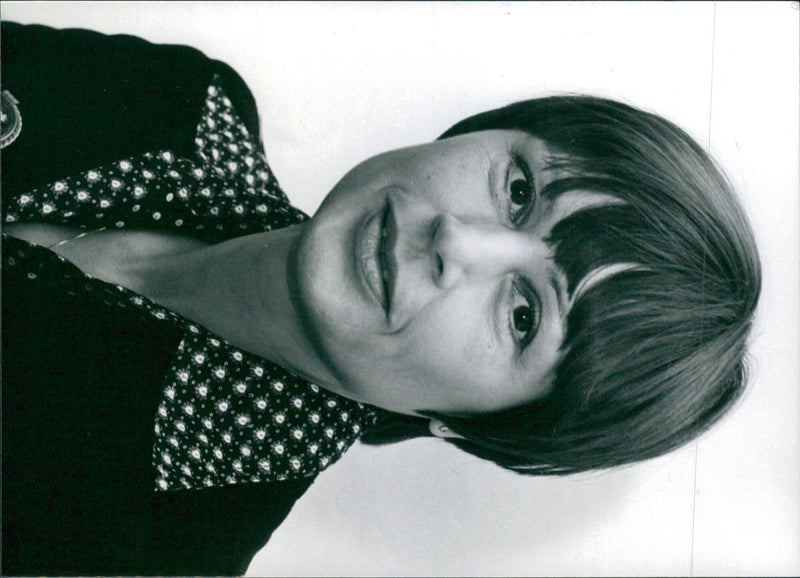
<point x="400" y="288"/>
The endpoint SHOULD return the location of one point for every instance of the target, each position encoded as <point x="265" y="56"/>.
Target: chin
<point x="315" y="265"/>
<point x="324" y="292"/>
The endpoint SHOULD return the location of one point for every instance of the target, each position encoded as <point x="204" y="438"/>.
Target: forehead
<point x="562" y="207"/>
<point x="555" y="210"/>
<point x="548" y="212"/>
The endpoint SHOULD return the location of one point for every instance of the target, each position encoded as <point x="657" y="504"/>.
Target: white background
<point x="338" y="83"/>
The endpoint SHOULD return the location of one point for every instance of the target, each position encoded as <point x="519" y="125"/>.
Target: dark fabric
<point x="80" y="382"/>
<point x="80" y="386"/>
<point x="87" y="99"/>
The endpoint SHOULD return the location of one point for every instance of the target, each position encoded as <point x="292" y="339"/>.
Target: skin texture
<point x="443" y="336"/>
<point x="449" y="341"/>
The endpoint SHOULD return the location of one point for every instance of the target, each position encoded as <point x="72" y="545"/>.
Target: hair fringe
<point x="655" y="353"/>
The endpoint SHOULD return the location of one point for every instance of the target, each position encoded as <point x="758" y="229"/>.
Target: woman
<point x="559" y="285"/>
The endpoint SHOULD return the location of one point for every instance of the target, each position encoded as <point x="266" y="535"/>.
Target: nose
<point x="465" y="250"/>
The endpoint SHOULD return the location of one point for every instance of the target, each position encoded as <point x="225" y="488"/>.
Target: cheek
<point x="452" y="345"/>
<point x="460" y="188"/>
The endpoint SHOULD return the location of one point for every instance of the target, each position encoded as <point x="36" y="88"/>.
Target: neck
<point x="241" y="290"/>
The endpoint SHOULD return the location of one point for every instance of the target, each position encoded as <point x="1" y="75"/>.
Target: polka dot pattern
<point x="228" y="417"/>
<point x="225" y="416"/>
<point x="226" y="189"/>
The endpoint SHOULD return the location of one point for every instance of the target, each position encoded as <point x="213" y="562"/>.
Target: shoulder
<point x="87" y="99"/>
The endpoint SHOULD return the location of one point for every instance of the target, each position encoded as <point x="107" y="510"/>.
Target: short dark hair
<point x="654" y="354"/>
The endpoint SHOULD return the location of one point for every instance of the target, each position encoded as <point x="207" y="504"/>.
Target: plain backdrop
<point x="336" y="83"/>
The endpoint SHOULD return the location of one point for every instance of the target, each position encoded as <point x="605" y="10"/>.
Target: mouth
<point x="375" y="260"/>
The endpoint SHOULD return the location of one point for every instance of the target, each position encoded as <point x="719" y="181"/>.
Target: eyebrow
<point x="558" y="291"/>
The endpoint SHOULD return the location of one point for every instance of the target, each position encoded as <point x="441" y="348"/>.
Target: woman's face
<point x="425" y="280"/>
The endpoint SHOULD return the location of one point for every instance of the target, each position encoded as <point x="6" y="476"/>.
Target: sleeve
<point x="87" y="99"/>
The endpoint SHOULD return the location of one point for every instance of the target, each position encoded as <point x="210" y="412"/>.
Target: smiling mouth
<point x="374" y="252"/>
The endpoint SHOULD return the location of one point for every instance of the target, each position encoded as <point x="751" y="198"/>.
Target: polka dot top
<point x="225" y="416"/>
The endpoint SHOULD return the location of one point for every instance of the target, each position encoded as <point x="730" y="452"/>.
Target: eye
<point x="524" y="313"/>
<point x="521" y="193"/>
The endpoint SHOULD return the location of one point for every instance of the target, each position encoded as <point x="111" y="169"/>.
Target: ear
<point x="438" y="429"/>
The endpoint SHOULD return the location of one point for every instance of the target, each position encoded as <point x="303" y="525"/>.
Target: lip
<point x="374" y="248"/>
<point x="389" y="255"/>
